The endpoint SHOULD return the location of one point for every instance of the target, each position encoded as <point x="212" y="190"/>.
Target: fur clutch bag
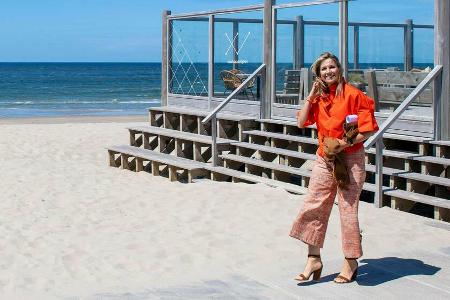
<point x="331" y="145"/>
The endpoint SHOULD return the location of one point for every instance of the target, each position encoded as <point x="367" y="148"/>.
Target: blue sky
<point x="130" y="30"/>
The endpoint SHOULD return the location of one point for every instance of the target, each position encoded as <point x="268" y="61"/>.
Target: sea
<point x="73" y="89"/>
<point x="99" y="89"/>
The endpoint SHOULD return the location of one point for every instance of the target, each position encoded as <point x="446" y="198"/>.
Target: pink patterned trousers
<point x="311" y="223"/>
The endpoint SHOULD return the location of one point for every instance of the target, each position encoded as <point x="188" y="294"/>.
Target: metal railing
<point x="377" y="139"/>
<point x="260" y="71"/>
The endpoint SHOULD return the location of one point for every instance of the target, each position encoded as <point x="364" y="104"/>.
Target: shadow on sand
<point x="372" y="272"/>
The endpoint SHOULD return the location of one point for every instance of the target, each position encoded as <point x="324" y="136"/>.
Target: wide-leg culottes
<point x="311" y="223"/>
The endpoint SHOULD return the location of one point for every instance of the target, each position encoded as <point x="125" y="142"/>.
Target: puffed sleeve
<point x="366" y="115"/>
<point x="312" y="115"/>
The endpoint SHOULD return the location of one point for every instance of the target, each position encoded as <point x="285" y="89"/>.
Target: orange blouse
<point x="329" y="113"/>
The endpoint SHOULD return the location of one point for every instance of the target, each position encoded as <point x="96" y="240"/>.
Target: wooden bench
<point x="295" y="86"/>
<point x="182" y="144"/>
<point x="144" y="159"/>
<point x="392" y="87"/>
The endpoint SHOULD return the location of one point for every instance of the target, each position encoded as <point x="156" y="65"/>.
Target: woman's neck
<point x="332" y="88"/>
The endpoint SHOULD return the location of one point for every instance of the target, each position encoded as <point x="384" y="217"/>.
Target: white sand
<point x="71" y="227"/>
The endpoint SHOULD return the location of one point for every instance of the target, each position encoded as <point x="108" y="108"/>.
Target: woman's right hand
<point x="314" y="92"/>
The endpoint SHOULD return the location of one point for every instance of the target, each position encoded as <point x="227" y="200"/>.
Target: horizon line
<point x="151" y="62"/>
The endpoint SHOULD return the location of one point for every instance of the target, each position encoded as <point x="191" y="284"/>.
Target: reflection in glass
<point x="238" y="52"/>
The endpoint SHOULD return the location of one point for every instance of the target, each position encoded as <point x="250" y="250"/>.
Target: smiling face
<point x="329" y="71"/>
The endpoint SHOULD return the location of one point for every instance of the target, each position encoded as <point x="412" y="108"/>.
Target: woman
<point x="331" y="99"/>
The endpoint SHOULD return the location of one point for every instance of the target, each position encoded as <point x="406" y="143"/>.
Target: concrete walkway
<point x="406" y="257"/>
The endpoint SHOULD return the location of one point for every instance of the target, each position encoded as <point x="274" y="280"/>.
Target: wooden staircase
<point x="277" y="153"/>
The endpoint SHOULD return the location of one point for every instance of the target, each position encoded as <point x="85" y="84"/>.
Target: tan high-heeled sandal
<point x="345" y="279"/>
<point x="316" y="273"/>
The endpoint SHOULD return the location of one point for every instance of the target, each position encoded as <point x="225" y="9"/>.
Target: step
<point x="275" y="150"/>
<point x="441" y="143"/>
<point x="266" y="164"/>
<point x="187" y="136"/>
<point x="409" y="138"/>
<point x="370" y="168"/>
<point x="163" y="158"/>
<point x="391" y="153"/>
<point x="292" y="170"/>
<point x="258" y="179"/>
<point x="395" y="136"/>
<point x="199" y="113"/>
<point x="434" y="201"/>
<point x="372" y="187"/>
<point x="281" y="136"/>
<point x="412" y="175"/>
<point x="290" y="122"/>
<point x="421" y="114"/>
<point x="412" y="156"/>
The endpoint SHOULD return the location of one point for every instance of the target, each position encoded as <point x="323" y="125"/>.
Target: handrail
<point x="217" y="12"/>
<point x="411" y="97"/>
<point x="212" y="115"/>
<point x="377" y="138"/>
<point x="302" y="4"/>
<point x="237" y="90"/>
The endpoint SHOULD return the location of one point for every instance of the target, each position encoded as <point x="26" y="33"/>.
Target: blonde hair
<point x="315" y="68"/>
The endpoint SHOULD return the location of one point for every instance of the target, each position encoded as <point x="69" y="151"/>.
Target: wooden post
<point x="442" y="57"/>
<point x="378" y="197"/>
<point x="408" y="41"/>
<point x="211" y="61"/>
<point x="343" y="36"/>
<point x="235" y="44"/>
<point x="355" y="47"/>
<point x="269" y="24"/>
<point x="372" y="89"/>
<point x="300" y="43"/>
<point x="165" y="57"/>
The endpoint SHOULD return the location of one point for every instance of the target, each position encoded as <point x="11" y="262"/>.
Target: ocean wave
<point x="113" y="101"/>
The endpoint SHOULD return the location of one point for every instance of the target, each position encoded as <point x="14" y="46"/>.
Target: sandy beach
<point x="74" y="228"/>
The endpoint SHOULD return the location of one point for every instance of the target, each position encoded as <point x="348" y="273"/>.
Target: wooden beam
<point x="269" y="25"/>
<point x="235" y="44"/>
<point x="372" y="89"/>
<point x="442" y="57"/>
<point x="343" y="36"/>
<point x="355" y="47"/>
<point x="165" y="56"/>
<point x="211" y="61"/>
<point x="300" y="42"/>
<point x="408" y="45"/>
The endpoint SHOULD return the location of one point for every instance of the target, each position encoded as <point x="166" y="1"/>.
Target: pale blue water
<point x="61" y="89"/>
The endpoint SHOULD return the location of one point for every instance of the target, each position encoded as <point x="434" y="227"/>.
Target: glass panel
<point x="238" y="52"/>
<point x="284" y="52"/>
<point x="376" y="53"/>
<point x="317" y="38"/>
<point x="188" y="70"/>
<point x="423" y="51"/>
<point x="382" y="46"/>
